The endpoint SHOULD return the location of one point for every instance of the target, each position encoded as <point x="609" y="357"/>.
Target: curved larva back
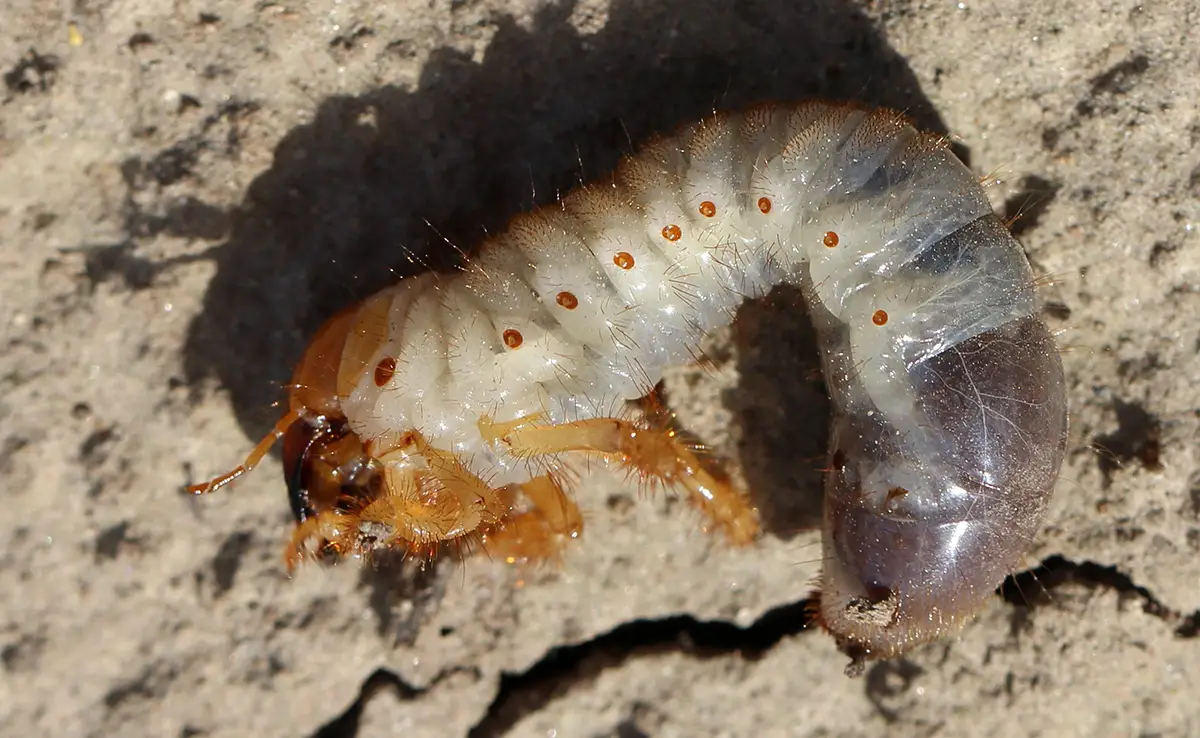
<point x="950" y="410"/>
<point x="919" y="533"/>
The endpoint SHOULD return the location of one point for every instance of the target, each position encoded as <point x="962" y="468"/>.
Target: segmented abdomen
<point x="950" y="408"/>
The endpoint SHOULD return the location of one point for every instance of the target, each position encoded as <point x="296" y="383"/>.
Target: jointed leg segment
<point x="539" y="533"/>
<point x="654" y="453"/>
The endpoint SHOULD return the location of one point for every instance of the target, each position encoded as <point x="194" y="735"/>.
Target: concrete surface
<point x="188" y="187"/>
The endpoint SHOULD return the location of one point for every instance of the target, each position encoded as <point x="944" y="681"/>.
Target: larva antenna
<point x="255" y="456"/>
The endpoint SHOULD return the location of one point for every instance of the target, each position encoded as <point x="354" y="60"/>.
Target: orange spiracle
<point x="384" y="371"/>
<point x="567" y="300"/>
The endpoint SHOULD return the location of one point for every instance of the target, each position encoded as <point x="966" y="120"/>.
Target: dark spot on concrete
<point x="34" y="72"/>
<point x="43" y="220"/>
<point x="1121" y="77"/>
<point x="187" y="102"/>
<point x="629" y="729"/>
<point x="95" y="448"/>
<point x="152" y="682"/>
<point x="139" y="40"/>
<point x="644" y="719"/>
<point x="11" y="447"/>
<point x="175" y="163"/>
<point x="185" y="217"/>
<point x="1126" y="533"/>
<point x="403" y="48"/>
<point x="347" y="41"/>
<point x="1050" y="138"/>
<point x="110" y="540"/>
<point x="22" y="655"/>
<point x="1115" y="82"/>
<point x="213" y="71"/>
<point x="103" y="263"/>
<point x="229" y="559"/>
<point x="1189" y="626"/>
<point x="1161" y="253"/>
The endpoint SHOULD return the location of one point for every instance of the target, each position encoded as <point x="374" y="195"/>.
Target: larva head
<point x="326" y="465"/>
<point x="352" y="496"/>
<point x="923" y="523"/>
<point x="314" y="426"/>
<point x="327" y="468"/>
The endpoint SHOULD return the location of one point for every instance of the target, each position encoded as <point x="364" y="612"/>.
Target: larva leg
<point x="654" y="453"/>
<point x="335" y="529"/>
<point x="253" y="458"/>
<point x="539" y="533"/>
<point x="420" y="511"/>
<point x="419" y="508"/>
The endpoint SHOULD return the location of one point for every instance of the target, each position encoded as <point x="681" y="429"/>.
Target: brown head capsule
<point x="326" y="466"/>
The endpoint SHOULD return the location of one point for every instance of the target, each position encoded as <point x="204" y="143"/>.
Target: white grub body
<point x="950" y="412"/>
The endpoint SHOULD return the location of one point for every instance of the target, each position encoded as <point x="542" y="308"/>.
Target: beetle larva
<point x="438" y="409"/>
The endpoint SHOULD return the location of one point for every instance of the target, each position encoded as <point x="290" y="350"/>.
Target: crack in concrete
<point x="523" y="693"/>
<point x="345" y="725"/>
<point x="1032" y="588"/>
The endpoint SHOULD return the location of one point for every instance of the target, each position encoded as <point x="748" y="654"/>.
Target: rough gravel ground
<point x="189" y="191"/>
